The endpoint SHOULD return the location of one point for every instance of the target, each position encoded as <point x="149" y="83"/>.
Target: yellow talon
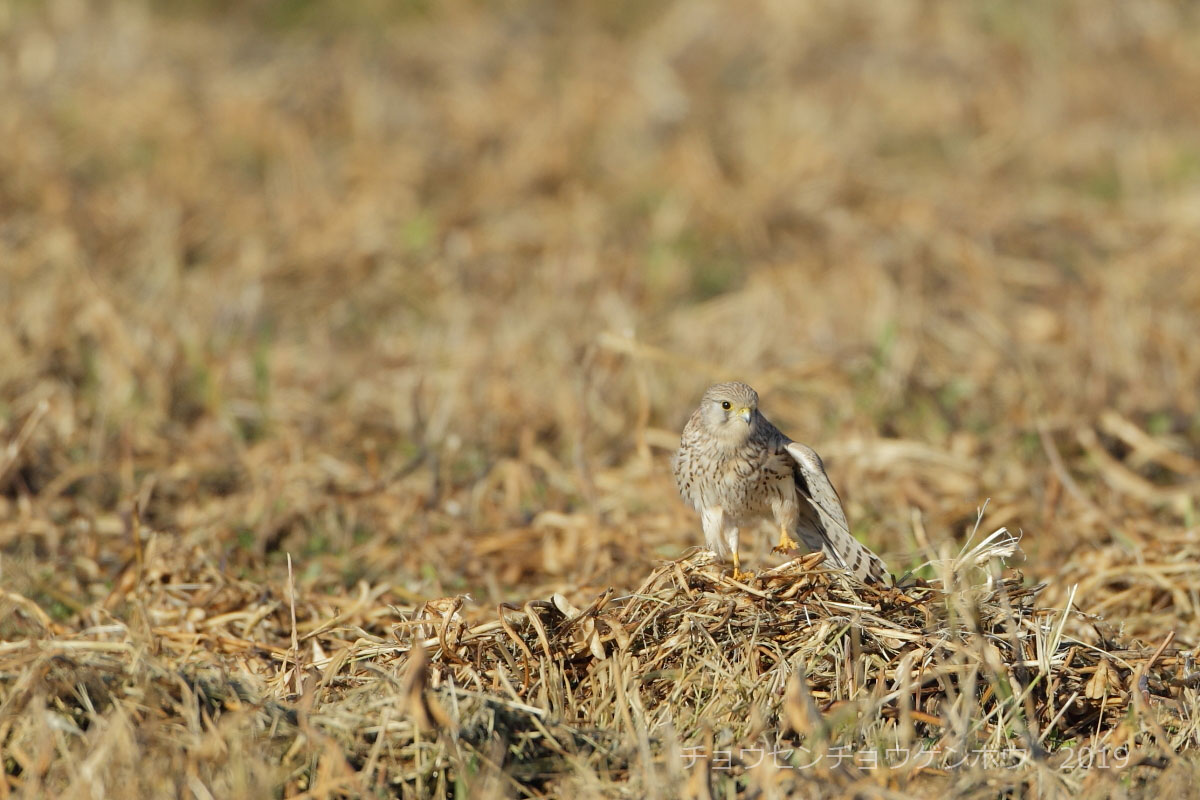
<point x="738" y="575"/>
<point x="786" y="543"/>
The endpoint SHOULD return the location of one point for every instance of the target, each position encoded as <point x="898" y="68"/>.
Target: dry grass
<point x="341" y="354"/>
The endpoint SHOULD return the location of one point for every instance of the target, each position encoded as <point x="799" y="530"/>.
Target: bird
<point x="737" y="469"/>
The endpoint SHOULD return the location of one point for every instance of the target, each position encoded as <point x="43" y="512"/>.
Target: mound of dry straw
<point x="801" y="676"/>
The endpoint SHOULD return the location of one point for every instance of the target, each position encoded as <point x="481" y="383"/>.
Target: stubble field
<point x="343" y="351"/>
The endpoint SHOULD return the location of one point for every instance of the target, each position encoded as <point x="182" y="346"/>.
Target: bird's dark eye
<point x="726" y="405"/>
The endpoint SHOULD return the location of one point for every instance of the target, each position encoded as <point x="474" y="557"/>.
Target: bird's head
<point x="730" y="411"/>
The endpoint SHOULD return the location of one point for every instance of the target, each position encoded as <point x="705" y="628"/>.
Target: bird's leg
<point x="731" y="541"/>
<point x="738" y="575"/>
<point x="786" y="543"/>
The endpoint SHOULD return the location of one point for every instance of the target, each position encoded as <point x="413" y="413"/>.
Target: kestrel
<point x="736" y="469"/>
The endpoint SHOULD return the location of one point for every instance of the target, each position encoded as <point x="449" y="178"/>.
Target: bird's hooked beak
<point x="745" y="414"/>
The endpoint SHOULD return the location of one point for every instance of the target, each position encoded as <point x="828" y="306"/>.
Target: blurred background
<point x="422" y="293"/>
